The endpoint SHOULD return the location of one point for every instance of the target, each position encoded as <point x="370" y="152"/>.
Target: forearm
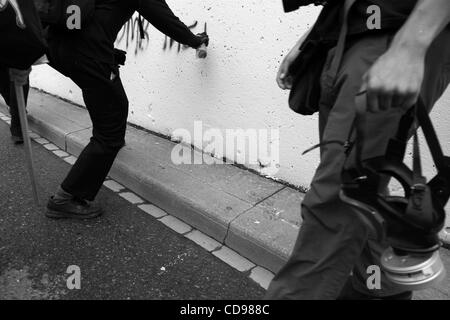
<point x="158" y="13"/>
<point x="425" y="23"/>
<point x="296" y="49"/>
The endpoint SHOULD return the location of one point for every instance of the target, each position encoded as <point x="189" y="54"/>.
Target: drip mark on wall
<point x="130" y="32"/>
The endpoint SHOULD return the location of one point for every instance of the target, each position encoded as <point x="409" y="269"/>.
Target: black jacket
<point x="96" y="40"/>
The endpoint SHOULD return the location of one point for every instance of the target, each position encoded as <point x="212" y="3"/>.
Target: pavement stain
<point x="20" y="284"/>
<point x="178" y="260"/>
<point x="278" y="215"/>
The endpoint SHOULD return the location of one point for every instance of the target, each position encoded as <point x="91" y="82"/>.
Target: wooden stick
<point x="26" y="138"/>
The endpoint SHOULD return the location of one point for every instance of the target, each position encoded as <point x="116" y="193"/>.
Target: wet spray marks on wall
<point x="131" y="34"/>
<point x="168" y="42"/>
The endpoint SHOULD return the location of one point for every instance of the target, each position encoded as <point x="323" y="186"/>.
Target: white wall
<point x="233" y="88"/>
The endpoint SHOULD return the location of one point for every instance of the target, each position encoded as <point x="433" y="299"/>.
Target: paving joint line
<point x="69" y="133"/>
<point x="247" y="210"/>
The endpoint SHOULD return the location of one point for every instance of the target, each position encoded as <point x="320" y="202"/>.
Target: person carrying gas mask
<point x="87" y="56"/>
<point x="393" y="63"/>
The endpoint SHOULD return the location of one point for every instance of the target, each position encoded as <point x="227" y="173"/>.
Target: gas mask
<point x="409" y="223"/>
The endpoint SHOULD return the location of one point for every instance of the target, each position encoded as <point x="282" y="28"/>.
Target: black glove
<point x="204" y="38"/>
<point x="120" y="56"/>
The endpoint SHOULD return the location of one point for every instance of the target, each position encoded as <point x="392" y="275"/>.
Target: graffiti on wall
<point x="131" y="34"/>
<point x="169" y="43"/>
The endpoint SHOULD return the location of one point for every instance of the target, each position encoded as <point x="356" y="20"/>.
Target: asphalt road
<point x="120" y="255"/>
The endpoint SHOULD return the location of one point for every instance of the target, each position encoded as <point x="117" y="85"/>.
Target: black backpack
<point x="65" y="14"/>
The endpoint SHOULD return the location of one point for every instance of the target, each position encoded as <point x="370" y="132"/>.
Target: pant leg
<point x="8" y="92"/>
<point x="107" y="104"/>
<point x="15" y="127"/>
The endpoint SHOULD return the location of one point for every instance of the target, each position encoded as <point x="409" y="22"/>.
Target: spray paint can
<point x="201" y="51"/>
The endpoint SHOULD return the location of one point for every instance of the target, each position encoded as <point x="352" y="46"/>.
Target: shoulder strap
<point x="418" y="178"/>
<point x="431" y="136"/>
<point x="335" y="64"/>
<point x="340" y="48"/>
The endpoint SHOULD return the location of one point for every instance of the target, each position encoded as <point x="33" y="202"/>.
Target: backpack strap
<point x="334" y="68"/>
<point x="431" y="136"/>
<point x="340" y="48"/>
<point x="420" y="204"/>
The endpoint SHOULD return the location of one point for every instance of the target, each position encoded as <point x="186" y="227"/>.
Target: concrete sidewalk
<point x="257" y="217"/>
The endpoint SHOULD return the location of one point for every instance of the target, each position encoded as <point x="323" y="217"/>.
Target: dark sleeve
<point x="158" y="13"/>
<point x="290" y="5"/>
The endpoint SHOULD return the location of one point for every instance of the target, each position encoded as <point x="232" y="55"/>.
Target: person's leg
<point x="8" y="92"/>
<point x="107" y="104"/>
<point x="16" y="129"/>
<point x="332" y="237"/>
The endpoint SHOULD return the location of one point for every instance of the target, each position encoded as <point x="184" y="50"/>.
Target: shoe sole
<point x="52" y="214"/>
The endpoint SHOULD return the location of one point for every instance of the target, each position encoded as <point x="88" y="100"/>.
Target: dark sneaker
<point x="72" y="209"/>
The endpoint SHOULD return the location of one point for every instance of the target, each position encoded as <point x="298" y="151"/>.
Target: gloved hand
<point x="204" y="38"/>
<point x="120" y="56"/>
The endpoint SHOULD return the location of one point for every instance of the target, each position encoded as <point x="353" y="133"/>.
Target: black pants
<point x="9" y="94"/>
<point x="107" y="103"/>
